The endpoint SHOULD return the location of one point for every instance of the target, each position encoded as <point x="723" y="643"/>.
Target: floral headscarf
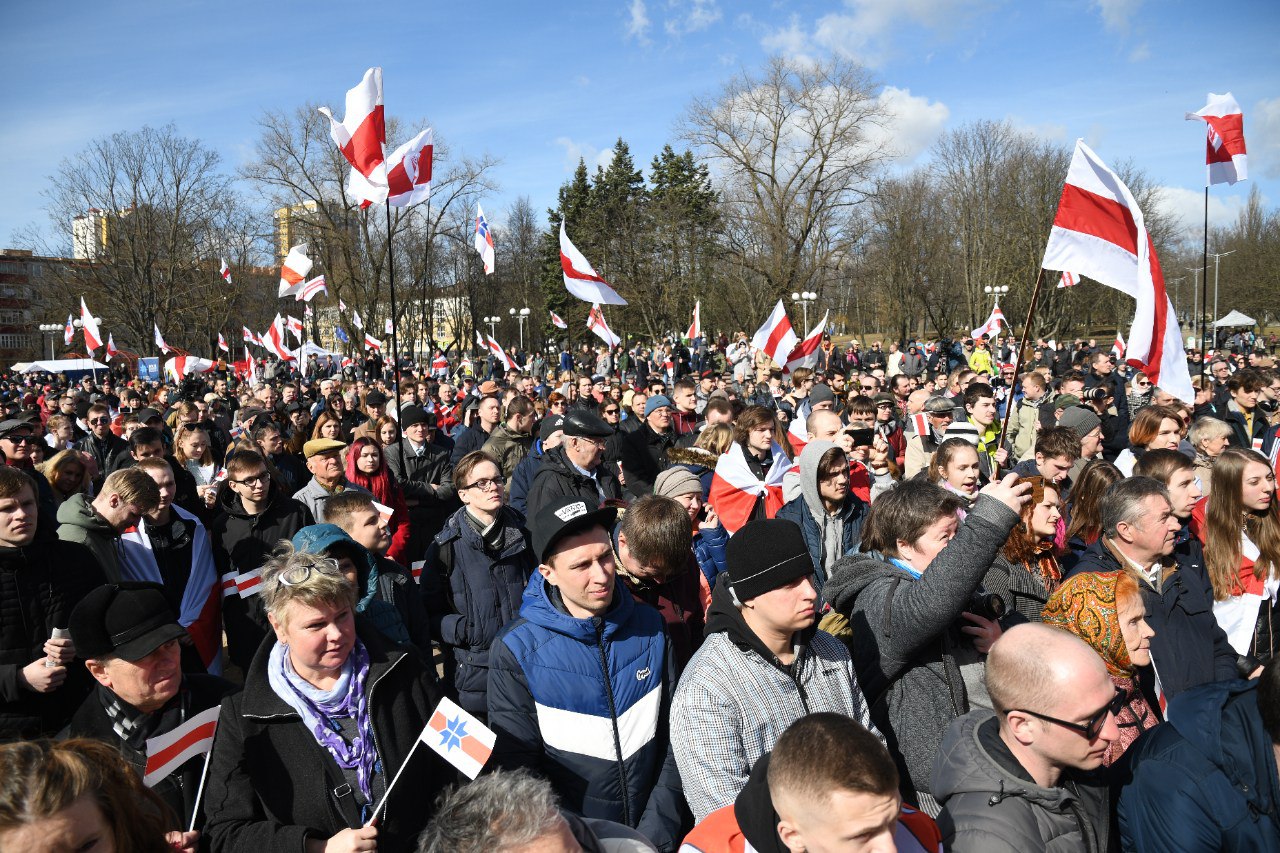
<point x="1085" y="605"/>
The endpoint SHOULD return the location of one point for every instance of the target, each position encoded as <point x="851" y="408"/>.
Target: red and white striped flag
<point x="776" y="337"/>
<point x="111" y="348"/>
<point x="361" y="136"/>
<point x="184" y="365"/>
<point x="805" y="353"/>
<point x="490" y="344"/>
<point x="440" y="365"/>
<point x="798" y="433"/>
<point x="225" y="271"/>
<point x="695" y="328"/>
<point x="169" y="751"/>
<point x="249" y="583"/>
<point x="372" y="343"/>
<point x="311" y="289"/>
<point x="580" y="277"/>
<point x="222" y="343"/>
<point x="1118" y="346"/>
<point x="415" y="569"/>
<point x="1069" y="279"/>
<point x="164" y="348"/>
<point x="294" y="325"/>
<point x="596" y="323"/>
<point x="89" y="324"/>
<point x="356" y="321"/>
<point x="1225" y="158"/>
<point x="558" y="321"/>
<point x="1100" y="232"/>
<point x="69" y="333"/>
<point x="273" y="339"/>
<point x="294" y="271"/>
<point x="734" y="489"/>
<point x="484" y="241"/>
<point x="229" y="580"/>
<point x="992" y="327"/>
<point x="249" y="337"/>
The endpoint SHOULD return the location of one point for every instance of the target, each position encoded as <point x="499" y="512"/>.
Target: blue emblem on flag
<point x="454" y="731"/>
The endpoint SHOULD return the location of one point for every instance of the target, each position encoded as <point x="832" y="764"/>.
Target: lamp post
<point x="805" y="298"/>
<point x="493" y="322"/>
<point x="520" y="316"/>
<point x="51" y="329"/>
<point x="1216" y="256"/>
<point x="997" y="291"/>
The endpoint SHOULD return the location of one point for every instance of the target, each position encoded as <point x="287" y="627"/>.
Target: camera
<point x="988" y="605"/>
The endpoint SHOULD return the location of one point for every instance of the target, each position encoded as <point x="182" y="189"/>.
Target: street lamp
<point x="1216" y="256"/>
<point x="492" y="321"/>
<point x="806" y="298"/>
<point x="520" y="316"/>
<point x="51" y="329"/>
<point x="997" y="291"/>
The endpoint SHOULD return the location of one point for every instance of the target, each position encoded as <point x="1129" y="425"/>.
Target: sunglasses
<point x="1091" y="728"/>
<point x="95" y="421"/>
<point x="22" y="439"/>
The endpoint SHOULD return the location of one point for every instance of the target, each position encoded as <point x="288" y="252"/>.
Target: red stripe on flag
<point x="289" y="275"/>
<point x="191" y="738"/>
<point x="1085" y="212"/>
<point x="1230" y="132"/>
<point x="570" y="271"/>
<point x="364" y="149"/>
<point x="776" y="335"/>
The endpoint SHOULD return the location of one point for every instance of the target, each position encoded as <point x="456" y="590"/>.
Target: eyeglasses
<point x="254" y="479"/>
<point x="94" y="421"/>
<point x="1093" y="727"/>
<point x="611" y="411"/>
<point x="22" y="439"/>
<point x="486" y="484"/>
<point x="884" y="405"/>
<point x="300" y="574"/>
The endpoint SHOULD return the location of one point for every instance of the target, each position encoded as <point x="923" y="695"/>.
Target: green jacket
<point x="508" y="447"/>
<point x="78" y="522"/>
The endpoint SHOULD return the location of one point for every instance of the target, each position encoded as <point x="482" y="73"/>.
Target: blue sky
<point x="539" y="84"/>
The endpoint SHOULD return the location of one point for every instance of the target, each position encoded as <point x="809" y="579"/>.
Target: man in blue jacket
<point x="580" y="685"/>
<point x="1206" y="780"/>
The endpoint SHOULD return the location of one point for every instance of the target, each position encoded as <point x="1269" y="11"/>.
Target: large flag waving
<point x="484" y="241"/>
<point x="164" y="348"/>
<point x="993" y="324"/>
<point x="805" y="353"/>
<point x="734" y="489"/>
<point x="361" y="136"/>
<point x="408" y="175"/>
<point x="111" y="348"/>
<point x="596" y="323"/>
<point x="1099" y="231"/>
<point x="492" y="346"/>
<point x="293" y="272"/>
<point x="275" y="342"/>
<point x="558" y="321"/>
<point x="776" y="337"/>
<point x="580" y="277"/>
<point x="89" y="323"/>
<point x="1225" y="159"/>
<point x="309" y="290"/>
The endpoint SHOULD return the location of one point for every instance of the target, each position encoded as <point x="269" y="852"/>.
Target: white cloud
<point x="582" y="80"/>
<point x="792" y="42"/>
<point x="1186" y="206"/>
<point x="1262" y="135"/>
<point x="1141" y="53"/>
<point x="638" y="24"/>
<point x="1116" y="14"/>
<point x="690" y="16"/>
<point x="1048" y="130"/>
<point x="914" y="122"/>
<point x="575" y="151"/>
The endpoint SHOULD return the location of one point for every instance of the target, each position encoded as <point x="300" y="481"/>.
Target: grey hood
<point x="809" y="460"/>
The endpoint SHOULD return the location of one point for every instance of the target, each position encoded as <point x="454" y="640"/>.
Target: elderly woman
<point x="327" y="718"/>
<point x="1105" y="610"/>
<point x="1209" y="436"/>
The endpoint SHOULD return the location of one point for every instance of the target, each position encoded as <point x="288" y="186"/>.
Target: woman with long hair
<point x="1026" y="571"/>
<point x="1154" y="428"/>
<point x="955" y="467"/>
<point x="1239" y="525"/>
<point x="67" y="474"/>
<point x="367" y="468"/>
<point x="327" y="425"/>
<point x="191" y="449"/>
<point x="386" y="431"/>
<point x="1084" y="521"/>
<point x="1105" y="610"/>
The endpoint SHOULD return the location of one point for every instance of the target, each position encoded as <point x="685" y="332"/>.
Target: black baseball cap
<point x="566" y="516"/>
<point x="129" y="619"/>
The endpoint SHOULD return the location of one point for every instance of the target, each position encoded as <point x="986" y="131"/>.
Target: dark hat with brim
<point x="582" y="423"/>
<point x="128" y="620"/>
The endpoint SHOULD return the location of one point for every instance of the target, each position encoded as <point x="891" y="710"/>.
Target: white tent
<point x="61" y="365"/>
<point x="1235" y="318"/>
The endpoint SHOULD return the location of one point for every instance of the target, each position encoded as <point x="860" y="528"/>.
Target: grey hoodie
<point x="992" y="805"/>
<point x="832" y="526"/>
<point x="906" y="639"/>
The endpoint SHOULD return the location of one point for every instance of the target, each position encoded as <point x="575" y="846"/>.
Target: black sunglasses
<point x="1093" y="727"/>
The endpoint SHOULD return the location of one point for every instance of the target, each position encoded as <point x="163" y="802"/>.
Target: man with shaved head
<point x="1020" y="777"/>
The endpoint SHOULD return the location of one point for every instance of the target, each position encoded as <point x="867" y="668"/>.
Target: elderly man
<point x="939" y="413"/>
<point x="583" y="662"/>
<point x="97" y="524"/>
<point x="424" y="471"/>
<point x="324" y="461"/>
<point x="129" y="638"/>
<point x="1019" y="778"/>
<point x="644" y="452"/>
<point x="576" y="467"/>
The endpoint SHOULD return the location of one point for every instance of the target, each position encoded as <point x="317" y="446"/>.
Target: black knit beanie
<point x="765" y="555"/>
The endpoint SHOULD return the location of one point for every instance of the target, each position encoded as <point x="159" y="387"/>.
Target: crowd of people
<point x="917" y="597"/>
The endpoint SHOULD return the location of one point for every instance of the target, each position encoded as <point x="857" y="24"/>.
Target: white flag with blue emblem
<point x="463" y="740"/>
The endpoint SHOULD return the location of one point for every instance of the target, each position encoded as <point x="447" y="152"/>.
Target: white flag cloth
<point x="580" y="277"/>
<point x="294" y="325"/>
<point x="112" y="351"/>
<point x="993" y="324"/>
<point x="293" y="272"/>
<point x="1225" y="159"/>
<point x="164" y="348"/>
<point x="596" y="323"/>
<point x="69" y="332"/>
<point x="311" y="289"/>
<point x="558" y="321"/>
<point x="169" y="751"/>
<point x="274" y="340"/>
<point x="386" y="326"/>
<point x="494" y="347"/>
<point x="222" y="343"/>
<point x="361" y="136"/>
<point x="225" y="271"/>
<point x="1099" y="231"/>
<point x="776" y="337"/>
<point x="806" y="352"/>
<point x="408" y="176"/>
<point x="372" y="343"/>
<point x="1069" y="279"/>
<point x="1118" y="347"/>
<point x="184" y="365"/>
<point x="484" y="241"/>
<point x="89" y="323"/>
<point x="460" y="738"/>
<point x="695" y="328"/>
<point x="356" y="321"/>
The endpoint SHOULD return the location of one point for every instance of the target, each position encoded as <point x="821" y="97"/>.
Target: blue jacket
<point x="1206" y="779"/>
<point x="522" y="478"/>
<point x="585" y="704"/>
<point x="854" y="514"/>
<point x="470" y="593"/>
<point x="1189" y="649"/>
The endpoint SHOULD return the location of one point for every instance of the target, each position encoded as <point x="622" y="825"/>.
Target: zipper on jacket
<point x="1086" y="834"/>
<point x="613" y="718"/>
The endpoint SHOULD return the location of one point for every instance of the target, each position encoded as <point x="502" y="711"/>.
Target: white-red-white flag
<point x="580" y="277"/>
<point x="1225" y="159"/>
<point x="776" y="337"/>
<point x="1118" y="347"/>
<point x="311" y="289"/>
<point x="735" y="489"/>
<point x="69" y="333"/>
<point x="992" y="327"/>
<point x="1099" y="231"/>
<point x="164" y="348"/>
<point x="169" y="751"/>
<point x="274" y="340"/>
<point x="184" y="365"/>
<point x="484" y="241"/>
<point x="222" y="343"/>
<point x="294" y="325"/>
<point x="805" y="353"/>
<point x="372" y="343"/>
<point x="408" y="175"/>
<point x="558" y="321"/>
<point x="89" y="323"/>
<point x="440" y="365"/>
<point x="249" y="337"/>
<point x="224" y="270"/>
<point x="597" y="324"/>
<point x="111" y="348"/>
<point x="307" y="313"/>
<point x="361" y="136"/>
<point x="356" y="321"/>
<point x="695" y="328"/>
<point x="493" y="346"/>
<point x="293" y="272"/>
<point x="249" y="583"/>
<point x="1068" y="279"/>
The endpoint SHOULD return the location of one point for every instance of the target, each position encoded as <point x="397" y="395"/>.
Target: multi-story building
<point x="89" y="232"/>
<point x="22" y="275"/>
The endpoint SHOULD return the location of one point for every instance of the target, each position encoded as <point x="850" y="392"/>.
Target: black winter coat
<point x="557" y="477"/>
<point x="104" y="453"/>
<point x="242" y="542"/>
<point x="644" y="456"/>
<point x="427" y="481"/>
<point x="271" y="786"/>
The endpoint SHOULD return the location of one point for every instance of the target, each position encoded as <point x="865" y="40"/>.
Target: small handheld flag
<point x="169" y="751"/>
<point x="69" y="333"/>
<point x="463" y="740"/>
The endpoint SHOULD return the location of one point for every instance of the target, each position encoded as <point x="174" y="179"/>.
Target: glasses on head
<point x="486" y="484"/>
<point x="300" y="574"/>
<point x="254" y="479"/>
<point x="1093" y="726"/>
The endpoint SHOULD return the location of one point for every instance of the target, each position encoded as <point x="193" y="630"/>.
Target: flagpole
<point x="395" y="355"/>
<point x="387" y="793"/>
<point x="1017" y="356"/>
<point x="1204" y="287"/>
<point x="204" y="774"/>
